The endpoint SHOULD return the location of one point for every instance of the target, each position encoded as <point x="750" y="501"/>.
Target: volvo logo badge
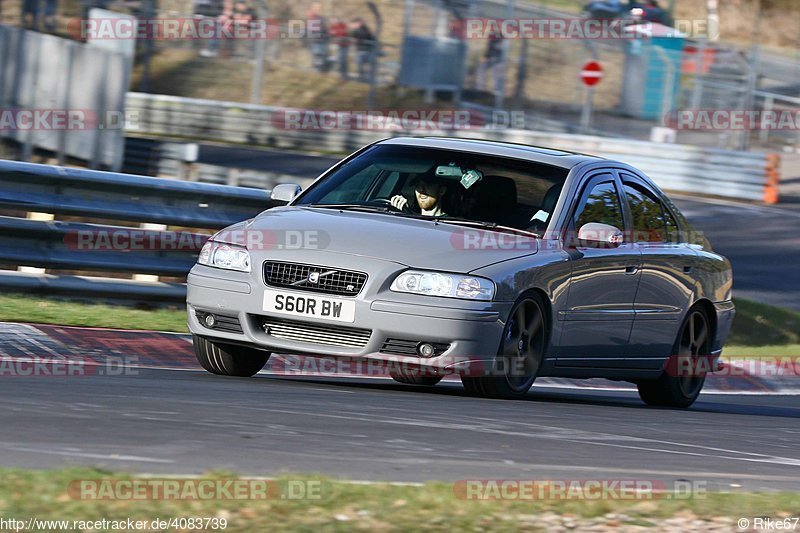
<point x="313" y="277"/>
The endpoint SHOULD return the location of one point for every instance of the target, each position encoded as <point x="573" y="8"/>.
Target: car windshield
<point x="457" y="187"/>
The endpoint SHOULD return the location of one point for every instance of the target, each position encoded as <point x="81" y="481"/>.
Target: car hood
<point x="412" y="242"/>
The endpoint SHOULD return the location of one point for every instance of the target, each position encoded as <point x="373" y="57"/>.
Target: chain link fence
<point x="305" y="65"/>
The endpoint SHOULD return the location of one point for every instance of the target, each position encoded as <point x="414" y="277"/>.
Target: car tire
<point x="228" y="360"/>
<point x="523" y="346"/>
<point x="694" y="339"/>
<point x="409" y="378"/>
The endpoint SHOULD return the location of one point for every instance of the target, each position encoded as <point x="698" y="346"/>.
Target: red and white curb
<point x="50" y="344"/>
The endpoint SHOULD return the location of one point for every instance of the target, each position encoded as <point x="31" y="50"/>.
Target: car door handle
<point x="631" y="269"/>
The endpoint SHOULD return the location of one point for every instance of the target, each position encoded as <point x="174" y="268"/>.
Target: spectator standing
<point x="319" y="38"/>
<point x="50" y="9"/>
<point x="243" y="17"/>
<point x="492" y="60"/>
<point x="365" y="45"/>
<point x="458" y="28"/>
<point x="30" y="14"/>
<point x="341" y="39"/>
<point x="224" y="28"/>
<point x="209" y="9"/>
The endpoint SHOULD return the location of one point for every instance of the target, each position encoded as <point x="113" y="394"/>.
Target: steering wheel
<point x="388" y="203"/>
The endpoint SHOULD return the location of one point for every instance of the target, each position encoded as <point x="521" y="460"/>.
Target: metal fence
<point x="641" y="82"/>
<point x="643" y="79"/>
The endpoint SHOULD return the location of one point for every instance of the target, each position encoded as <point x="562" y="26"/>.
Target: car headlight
<point x="227" y="256"/>
<point x="446" y="285"/>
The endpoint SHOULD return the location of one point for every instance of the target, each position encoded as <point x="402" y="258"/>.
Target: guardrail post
<point x="45" y="217"/>
<point x="773" y="176"/>
<point x="233" y="177"/>
<point x="152" y="227"/>
<point x="763" y="133"/>
<point x="190" y="172"/>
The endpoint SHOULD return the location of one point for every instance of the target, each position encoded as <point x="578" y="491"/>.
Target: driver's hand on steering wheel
<point x="399" y="201"/>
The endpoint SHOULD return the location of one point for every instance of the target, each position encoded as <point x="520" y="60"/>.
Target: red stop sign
<point x="591" y="73"/>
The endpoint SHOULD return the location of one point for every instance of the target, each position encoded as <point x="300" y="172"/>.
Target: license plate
<point x="303" y="305"/>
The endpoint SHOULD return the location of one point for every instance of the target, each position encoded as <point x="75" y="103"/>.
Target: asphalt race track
<point x="762" y="243"/>
<point x="187" y="422"/>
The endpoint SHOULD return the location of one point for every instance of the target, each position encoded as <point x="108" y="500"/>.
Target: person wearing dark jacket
<point x="365" y="45"/>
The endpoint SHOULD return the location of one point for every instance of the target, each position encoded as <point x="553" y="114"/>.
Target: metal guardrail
<point x="741" y="175"/>
<point x="88" y="193"/>
<point x="683" y="168"/>
<point x="165" y="159"/>
<point x="82" y="246"/>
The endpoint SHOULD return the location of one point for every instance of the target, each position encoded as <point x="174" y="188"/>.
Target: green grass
<point x="758" y="324"/>
<point x="346" y="506"/>
<point x="736" y="351"/>
<point x="38" y="310"/>
<point x="759" y="330"/>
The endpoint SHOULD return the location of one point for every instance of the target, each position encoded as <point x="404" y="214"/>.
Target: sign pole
<point x="591" y="74"/>
<point x="586" y="112"/>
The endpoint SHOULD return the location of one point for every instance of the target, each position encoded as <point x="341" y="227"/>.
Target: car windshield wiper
<point x="493" y="226"/>
<point x="445" y="220"/>
<point x="352" y="207"/>
<point x="371" y="209"/>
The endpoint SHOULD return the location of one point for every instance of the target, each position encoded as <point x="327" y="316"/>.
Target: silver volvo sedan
<point x="493" y="261"/>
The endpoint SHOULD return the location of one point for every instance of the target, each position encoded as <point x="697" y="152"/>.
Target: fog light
<point x="425" y="349"/>
<point x="210" y="321"/>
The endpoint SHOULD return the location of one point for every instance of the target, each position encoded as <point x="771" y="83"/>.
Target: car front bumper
<point x="472" y="330"/>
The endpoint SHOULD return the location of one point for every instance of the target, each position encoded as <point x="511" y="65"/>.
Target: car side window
<point x="673" y="232"/>
<point x="387" y="186"/>
<point x="649" y="224"/>
<point x="356" y="186"/>
<point x="600" y="203"/>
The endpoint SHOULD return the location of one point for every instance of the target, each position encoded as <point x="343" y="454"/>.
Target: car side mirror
<point x="598" y="235"/>
<point x="285" y="192"/>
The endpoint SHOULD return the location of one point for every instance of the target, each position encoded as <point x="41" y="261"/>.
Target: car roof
<point x="549" y="156"/>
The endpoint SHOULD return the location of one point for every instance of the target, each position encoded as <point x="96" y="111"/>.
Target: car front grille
<point x="294" y="330"/>
<point x="313" y="278"/>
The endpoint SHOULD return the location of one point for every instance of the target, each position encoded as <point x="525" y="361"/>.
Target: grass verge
<point x="759" y="330"/>
<point x="344" y="506"/>
<point x="39" y="310"/>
